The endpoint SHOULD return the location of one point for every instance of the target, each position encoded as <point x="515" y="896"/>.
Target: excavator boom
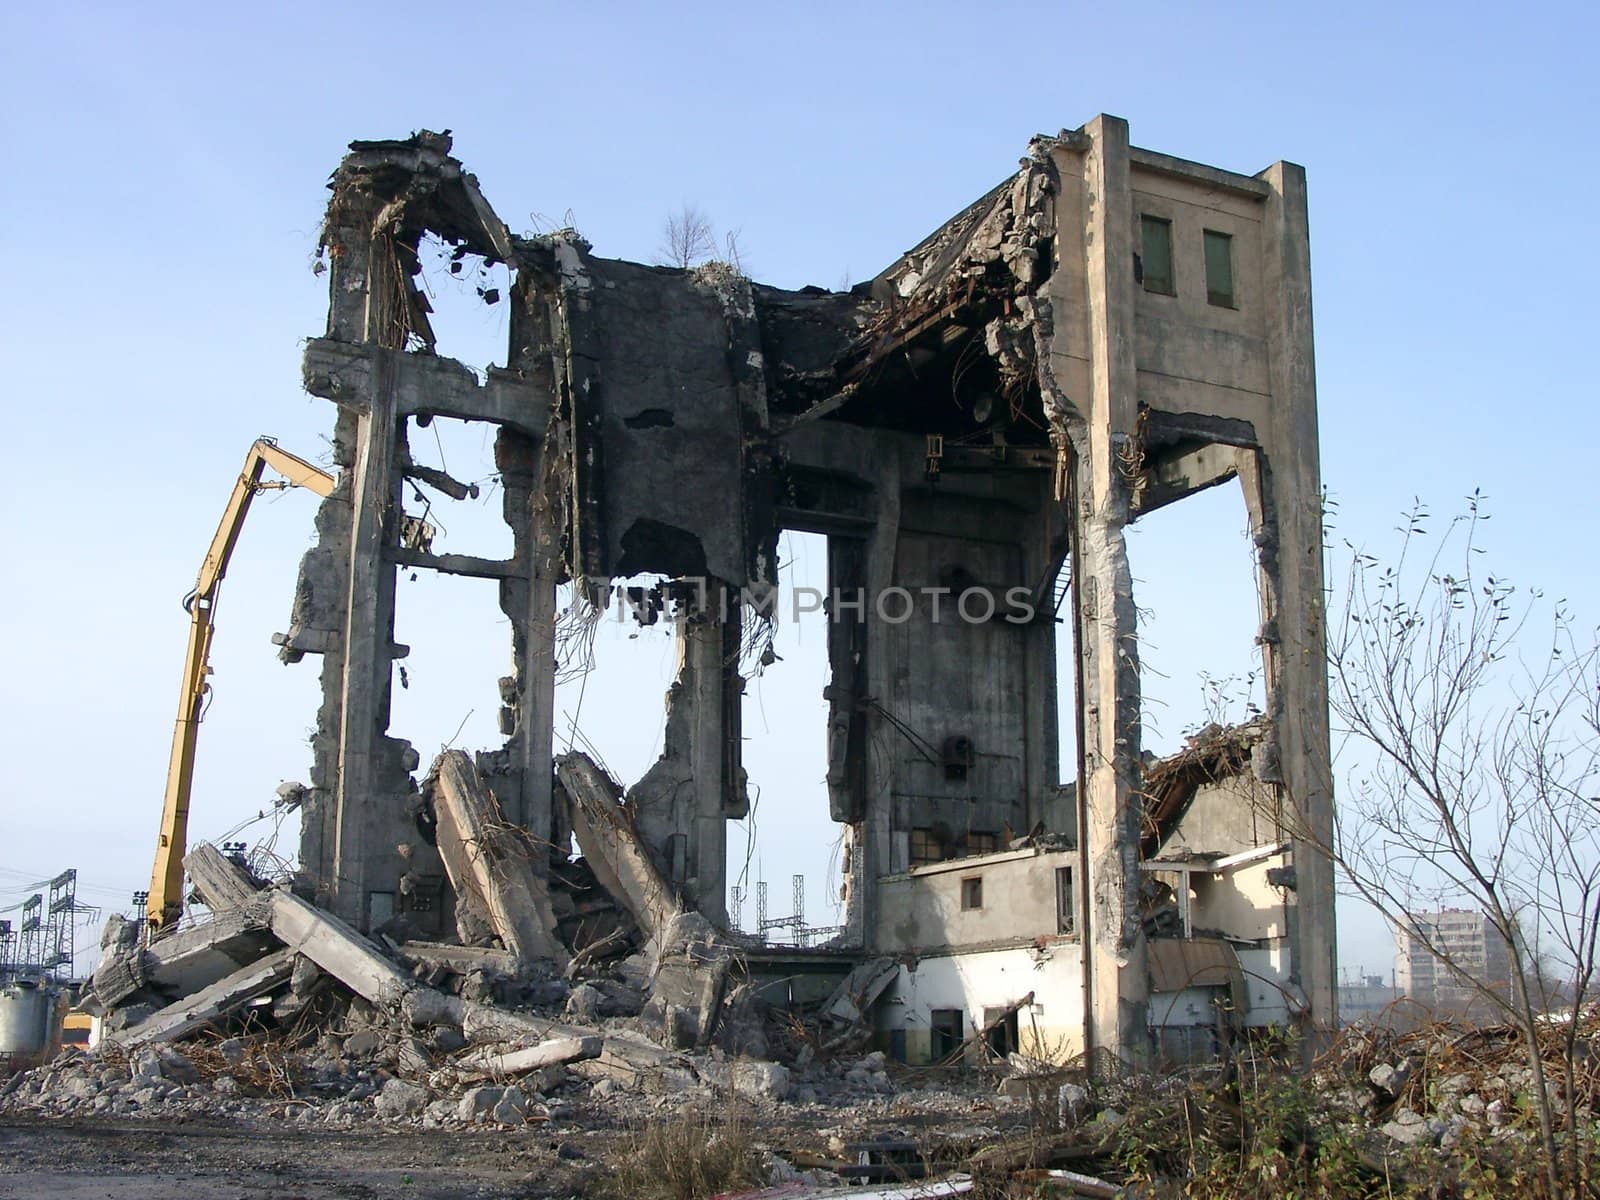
<point x="165" y="903"/>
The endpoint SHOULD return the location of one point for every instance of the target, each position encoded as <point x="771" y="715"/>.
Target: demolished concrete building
<point x="1107" y="332"/>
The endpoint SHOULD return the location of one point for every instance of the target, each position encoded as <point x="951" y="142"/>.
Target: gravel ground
<point x="79" y="1159"/>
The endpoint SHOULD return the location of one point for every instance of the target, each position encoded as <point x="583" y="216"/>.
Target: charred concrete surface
<point x="972" y="430"/>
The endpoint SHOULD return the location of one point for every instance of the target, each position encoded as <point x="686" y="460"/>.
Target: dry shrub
<point x="690" y="1155"/>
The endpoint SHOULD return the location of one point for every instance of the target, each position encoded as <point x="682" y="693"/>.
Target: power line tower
<point x="30" y="935"/>
<point x="60" y="924"/>
<point x="8" y="950"/>
<point x="736" y="906"/>
<point x="796" y="920"/>
<point x="761" y="909"/>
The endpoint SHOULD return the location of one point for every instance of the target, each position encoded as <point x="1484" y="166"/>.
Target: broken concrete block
<point x="319" y="936"/>
<point x="1390" y="1080"/>
<point x="759" y="1080"/>
<point x="488" y="863"/>
<point x="583" y="1003"/>
<point x="477" y="1103"/>
<point x="412" y="1058"/>
<point x="364" y="1043"/>
<point x="1072" y="1104"/>
<point x="155" y="1064"/>
<point x="630" y="1060"/>
<point x="691" y="976"/>
<point x="1410" y="1127"/>
<point x="512" y="1108"/>
<point x="209" y="1004"/>
<point x="343" y="953"/>
<point x="397" y="1098"/>
<point x="183" y="962"/>
<point x="424" y="1006"/>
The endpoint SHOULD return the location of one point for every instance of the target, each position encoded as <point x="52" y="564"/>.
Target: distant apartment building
<point x="1466" y="939"/>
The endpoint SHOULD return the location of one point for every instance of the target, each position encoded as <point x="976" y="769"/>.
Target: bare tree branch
<point x="1479" y="783"/>
<point x="687" y="238"/>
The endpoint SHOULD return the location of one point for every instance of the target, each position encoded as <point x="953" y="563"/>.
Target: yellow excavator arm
<point x="165" y="902"/>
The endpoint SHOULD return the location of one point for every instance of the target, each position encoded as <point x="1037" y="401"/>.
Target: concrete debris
<point x="458" y="960"/>
<point x="489" y="861"/>
<point x="338" y="950"/>
<point x="759" y="1080"/>
<point x="511" y="1108"/>
<point x="223" y="884"/>
<point x="612" y="847"/>
<point x="210" y="1004"/>
<point x="843" y="1126"/>
<point x="397" y="1098"/>
<point x="188" y="960"/>
<point x="860" y="990"/>
<point x="555" y="1052"/>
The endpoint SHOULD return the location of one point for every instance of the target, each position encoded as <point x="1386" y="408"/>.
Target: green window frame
<point x="1155" y="257"/>
<point x="1219" y="268"/>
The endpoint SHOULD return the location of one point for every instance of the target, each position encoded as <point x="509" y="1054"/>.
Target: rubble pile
<point x="1443" y="1085"/>
<point x="272" y="1009"/>
<point x="1399" y="1105"/>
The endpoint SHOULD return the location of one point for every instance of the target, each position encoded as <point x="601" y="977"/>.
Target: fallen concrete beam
<point x="210" y="1004"/>
<point x="627" y="1061"/>
<point x="488" y="863"/>
<point x="460" y="959"/>
<point x="552" y="1053"/>
<point x="305" y="929"/>
<point x="187" y="960"/>
<point x="611" y="845"/>
<point x="338" y="950"/>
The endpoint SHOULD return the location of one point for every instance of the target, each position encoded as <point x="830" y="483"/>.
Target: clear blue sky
<point x="160" y="212"/>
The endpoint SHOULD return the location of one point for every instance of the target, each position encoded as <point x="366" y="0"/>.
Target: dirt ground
<point x="139" y="1160"/>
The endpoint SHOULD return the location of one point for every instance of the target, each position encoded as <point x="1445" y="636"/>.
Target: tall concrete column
<point x="701" y="644"/>
<point x="1117" y="984"/>
<point x="364" y="282"/>
<point x="368" y="642"/>
<point x="1289" y="494"/>
<point x="536" y="719"/>
<point x="876" y="846"/>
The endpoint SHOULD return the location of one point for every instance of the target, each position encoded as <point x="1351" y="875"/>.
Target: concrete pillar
<point x="1117" y="981"/>
<point x="1288" y="496"/>
<point x="529" y="602"/>
<point x="358" y="832"/>
<point x="536" y="719"/>
<point x="876" y="845"/>
<point x="702" y="661"/>
<point x="362" y="292"/>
